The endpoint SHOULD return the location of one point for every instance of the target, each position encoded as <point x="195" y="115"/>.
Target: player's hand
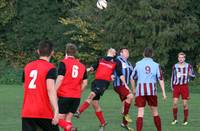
<point x="55" y="119"/>
<point x="112" y="77"/>
<point x="164" y="97"/>
<point x="91" y="69"/>
<point x="126" y="86"/>
<point x="134" y="91"/>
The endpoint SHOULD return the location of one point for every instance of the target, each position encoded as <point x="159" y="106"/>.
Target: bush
<point x="9" y="75"/>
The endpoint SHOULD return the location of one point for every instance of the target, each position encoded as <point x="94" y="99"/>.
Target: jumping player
<point x="147" y="72"/>
<point x="40" y="107"/>
<point x="122" y="77"/>
<point x="71" y="81"/>
<point x="104" y="68"/>
<point x="181" y="74"/>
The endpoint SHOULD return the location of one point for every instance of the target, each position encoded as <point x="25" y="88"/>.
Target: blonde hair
<point x="181" y="53"/>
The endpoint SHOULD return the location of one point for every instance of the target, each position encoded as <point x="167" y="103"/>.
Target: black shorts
<point x="67" y="105"/>
<point x="38" y="124"/>
<point x="98" y="87"/>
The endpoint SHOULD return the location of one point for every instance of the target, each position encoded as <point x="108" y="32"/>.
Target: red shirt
<point x="105" y="69"/>
<point x="36" y="102"/>
<point x="74" y="75"/>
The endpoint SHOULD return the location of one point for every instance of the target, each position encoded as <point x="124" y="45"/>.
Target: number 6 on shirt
<point x="74" y="71"/>
<point x="32" y="84"/>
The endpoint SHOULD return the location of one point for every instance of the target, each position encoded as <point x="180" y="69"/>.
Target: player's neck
<point x="68" y="56"/>
<point x="45" y="58"/>
<point x="181" y="63"/>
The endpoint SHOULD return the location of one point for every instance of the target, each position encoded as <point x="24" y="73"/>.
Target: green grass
<point x="11" y="99"/>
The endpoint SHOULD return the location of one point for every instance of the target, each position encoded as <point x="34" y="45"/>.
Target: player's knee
<point x="185" y="106"/>
<point x="175" y="105"/>
<point x="130" y="96"/>
<point x="155" y="113"/>
<point x="140" y="114"/>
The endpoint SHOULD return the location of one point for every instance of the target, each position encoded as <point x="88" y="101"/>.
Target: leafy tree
<point x="7" y="11"/>
<point x="163" y="25"/>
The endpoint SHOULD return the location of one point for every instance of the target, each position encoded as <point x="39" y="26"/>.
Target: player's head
<point x="181" y="57"/>
<point x="148" y="52"/>
<point x="71" y="49"/>
<point x="45" y="48"/>
<point x="124" y="52"/>
<point x="111" y="52"/>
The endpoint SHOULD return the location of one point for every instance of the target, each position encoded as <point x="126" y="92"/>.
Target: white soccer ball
<point x="102" y="4"/>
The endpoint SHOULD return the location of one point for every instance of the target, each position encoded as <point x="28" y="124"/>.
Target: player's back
<point x="71" y="84"/>
<point x="147" y="70"/>
<point x="36" y="101"/>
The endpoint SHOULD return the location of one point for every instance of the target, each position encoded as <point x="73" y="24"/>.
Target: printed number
<point x="33" y="74"/>
<point x="74" y="71"/>
<point x="148" y="69"/>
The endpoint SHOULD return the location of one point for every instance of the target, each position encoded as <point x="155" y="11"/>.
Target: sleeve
<point x="23" y="77"/>
<point x="61" y="69"/>
<point x="119" y="68"/>
<point x="159" y="73"/>
<point x="96" y="64"/>
<point x="85" y="75"/>
<point x="51" y="74"/>
<point x="134" y="73"/>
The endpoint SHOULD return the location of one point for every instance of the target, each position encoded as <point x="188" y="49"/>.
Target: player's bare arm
<point x="53" y="99"/>
<point x="59" y="81"/>
<point x="122" y="78"/>
<point x="162" y="86"/>
<point x="84" y="85"/>
<point x="133" y="86"/>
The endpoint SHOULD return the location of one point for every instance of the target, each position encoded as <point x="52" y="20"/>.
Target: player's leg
<point x="153" y="104"/>
<point x="85" y="104"/>
<point x="64" y="108"/>
<point x="185" y="98"/>
<point x="140" y="103"/>
<point x="126" y="98"/>
<point x="156" y="117"/>
<point x="185" y="108"/>
<point x="98" y="112"/>
<point x="139" y="121"/>
<point x="127" y="104"/>
<point x="176" y="95"/>
<point x="28" y="124"/>
<point x="175" y="110"/>
<point x="46" y="125"/>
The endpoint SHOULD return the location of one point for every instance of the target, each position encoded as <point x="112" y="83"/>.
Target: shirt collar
<point x="148" y="58"/>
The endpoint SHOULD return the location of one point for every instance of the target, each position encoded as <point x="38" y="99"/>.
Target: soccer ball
<point x="102" y="4"/>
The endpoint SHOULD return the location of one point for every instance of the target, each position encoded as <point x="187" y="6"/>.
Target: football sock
<point x="84" y="106"/>
<point x="185" y="115"/>
<point x="126" y="108"/>
<point x="157" y="122"/>
<point x="139" y="123"/>
<point x="100" y="117"/>
<point x="125" y="122"/>
<point x="175" y="111"/>
<point x="62" y="123"/>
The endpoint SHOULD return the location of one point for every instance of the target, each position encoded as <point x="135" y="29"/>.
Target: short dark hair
<point x="45" y="48"/>
<point x="121" y="49"/>
<point x="71" y="49"/>
<point x="148" y="52"/>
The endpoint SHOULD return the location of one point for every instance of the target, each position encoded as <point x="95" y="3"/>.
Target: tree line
<point x="167" y="26"/>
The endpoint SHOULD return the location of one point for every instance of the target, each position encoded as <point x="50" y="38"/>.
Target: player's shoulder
<point x="81" y="65"/>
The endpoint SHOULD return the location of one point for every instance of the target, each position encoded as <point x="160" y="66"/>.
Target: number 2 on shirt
<point x="33" y="75"/>
<point x="74" y="71"/>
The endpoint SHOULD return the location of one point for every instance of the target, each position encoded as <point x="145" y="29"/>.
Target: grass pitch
<point x="11" y="100"/>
